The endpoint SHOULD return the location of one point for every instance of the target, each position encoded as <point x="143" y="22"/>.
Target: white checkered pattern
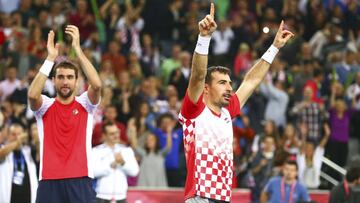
<point x="210" y="137"/>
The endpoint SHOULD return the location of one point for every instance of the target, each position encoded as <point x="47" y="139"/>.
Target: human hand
<point x="52" y="49"/>
<point x="73" y="31"/>
<point x="208" y="25"/>
<point x="119" y="159"/>
<point x="282" y="36"/>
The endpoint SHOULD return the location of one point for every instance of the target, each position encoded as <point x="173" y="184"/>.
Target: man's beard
<point x="62" y="95"/>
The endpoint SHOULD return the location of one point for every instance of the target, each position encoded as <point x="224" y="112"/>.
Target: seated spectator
<point x="112" y="163"/>
<point x="285" y="189"/>
<point x="17" y="168"/>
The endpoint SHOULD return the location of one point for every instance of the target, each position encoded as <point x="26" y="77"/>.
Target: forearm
<point x="88" y="69"/>
<point x="257" y="73"/>
<point x="4" y="151"/>
<point x="37" y="86"/>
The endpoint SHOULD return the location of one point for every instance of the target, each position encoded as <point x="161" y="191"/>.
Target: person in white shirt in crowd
<point x="9" y="85"/>
<point x="113" y="162"/>
<point x="222" y="43"/>
<point x="18" y="179"/>
<point x="309" y="160"/>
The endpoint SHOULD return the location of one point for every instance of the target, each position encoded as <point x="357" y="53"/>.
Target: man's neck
<point x="213" y="107"/>
<point x="65" y="100"/>
<point x="289" y="181"/>
<point x="110" y="144"/>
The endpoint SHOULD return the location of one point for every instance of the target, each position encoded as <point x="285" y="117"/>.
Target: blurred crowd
<point x="307" y="107"/>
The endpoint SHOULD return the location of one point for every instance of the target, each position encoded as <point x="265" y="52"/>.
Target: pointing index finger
<point x="212" y="10"/>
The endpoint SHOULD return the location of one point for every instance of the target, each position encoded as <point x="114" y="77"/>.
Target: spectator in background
<point x="311" y="114"/>
<point x="277" y="101"/>
<point x="222" y="41"/>
<point x="129" y="27"/>
<point x="290" y="141"/>
<point x="10" y="84"/>
<point x="138" y="123"/>
<point x="166" y="124"/>
<point x="83" y="19"/>
<point x="150" y="59"/>
<point x="347" y="68"/>
<point x="315" y="84"/>
<point x="338" y="146"/>
<point x="119" y="62"/>
<point x="17" y="168"/>
<point x="22" y="58"/>
<point x="170" y="64"/>
<point x="261" y="166"/>
<point x="309" y="161"/>
<point x="348" y="190"/>
<point x="110" y="13"/>
<point x="152" y="165"/>
<point x="243" y="60"/>
<point x="112" y="163"/>
<point x="286" y="188"/>
<point x="110" y="115"/>
<point x="180" y="76"/>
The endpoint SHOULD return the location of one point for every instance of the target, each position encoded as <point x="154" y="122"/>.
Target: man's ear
<point x="206" y="88"/>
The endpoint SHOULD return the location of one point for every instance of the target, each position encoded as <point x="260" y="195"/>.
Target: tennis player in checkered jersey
<point x="207" y="112"/>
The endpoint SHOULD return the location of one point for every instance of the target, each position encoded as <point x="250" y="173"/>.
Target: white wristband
<point x="202" y="45"/>
<point x="46" y="67"/>
<point x="270" y="54"/>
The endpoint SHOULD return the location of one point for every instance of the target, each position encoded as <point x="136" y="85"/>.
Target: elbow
<point x="32" y="95"/>
<point x="97" y="86"/>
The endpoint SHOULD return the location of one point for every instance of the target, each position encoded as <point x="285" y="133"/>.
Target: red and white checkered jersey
<point x="208" y="141"/>
<point x="65" y="132"/>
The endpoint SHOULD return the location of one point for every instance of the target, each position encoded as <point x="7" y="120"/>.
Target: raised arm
<point x="37" y="85"/>
<point x="200" y="58"/>
<point x="94" y="90"/>
<point x="257" y="73"/>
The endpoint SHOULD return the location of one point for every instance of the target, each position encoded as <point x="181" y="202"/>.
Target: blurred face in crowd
<point x="289" y="131"/>
<point x="290" y="172"/>
<point x="309" y="149"/>
<point x="308" y="93"/>
<point x="269" y="128"/>
<point x="81" y="5"/>
<point x="165" y="122"/>
<point x="64" y="82"/>
<point x="110" y="113"/>
<point x="176" y="50"/>
<point x="268" y="144"/>
<point x="107" y="67"/>
<point x="15" y="131"/>
<point x="124" y="78"/>
<point x="185" y="59"/>
<point x="219" y="89"/>
<point x="340" y="106"/>
<point x="112" y="134"/>
<point x="114" y="47"/>
<point x="144" y="109"/>
<point x="11" y="73"/>
<point x="151" y="141"/>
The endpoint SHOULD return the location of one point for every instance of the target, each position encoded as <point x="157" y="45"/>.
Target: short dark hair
<point x="291" y="162"/>
<point x="66" y="65"/>
<point x="162" y="117"/>
<point x="353" y="174"/>
<point x="318" y="72"/>
<point x="106" y="124"/>
<point x="212" y="69"/>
